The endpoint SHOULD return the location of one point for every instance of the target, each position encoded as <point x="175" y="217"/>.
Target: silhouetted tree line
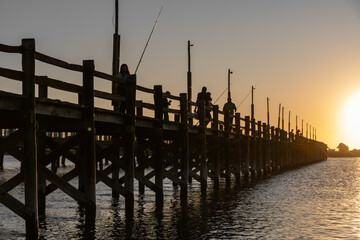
<point x="343" y="151"/>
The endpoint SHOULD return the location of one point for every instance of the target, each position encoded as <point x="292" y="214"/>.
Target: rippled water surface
<point x="320" y="201"/>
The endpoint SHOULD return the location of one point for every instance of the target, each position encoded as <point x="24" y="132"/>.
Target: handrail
<point x="108" y="77"/>
<point x="144" y="89"/>
<point x="57" y="84"/>
<point x="56" y="62"/>
<point x="109" y="96"/>
<point x="10" y="49"/>
<point x="11" y="74"/>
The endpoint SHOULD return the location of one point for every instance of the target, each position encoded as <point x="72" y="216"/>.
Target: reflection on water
<point x="320" y="201"/>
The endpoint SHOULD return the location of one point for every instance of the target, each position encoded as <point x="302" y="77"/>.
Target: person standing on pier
<point x="205" y="97"/>
<point x="166" y="104"/>
<point x="230" y="106"/>
<point x="124" y="74"/>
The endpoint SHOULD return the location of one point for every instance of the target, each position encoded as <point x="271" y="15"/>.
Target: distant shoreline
<point x="344" y="154"/>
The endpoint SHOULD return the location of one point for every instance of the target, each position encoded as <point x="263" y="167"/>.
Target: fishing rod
<point x="147" y="43"/>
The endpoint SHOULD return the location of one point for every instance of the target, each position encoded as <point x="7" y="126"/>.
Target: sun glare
<point x="350" y="121"/>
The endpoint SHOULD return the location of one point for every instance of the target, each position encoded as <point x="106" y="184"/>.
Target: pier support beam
<point x="215" y="147"/>
<point x="30" y="155"/>
<point x="130" y="144"/>
<point x="88" y="160"/>
<point x="158" y="138"/>
<point x="184" y="145"/>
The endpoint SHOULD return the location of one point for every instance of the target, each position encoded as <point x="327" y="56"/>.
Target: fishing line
<point x="147" y="43"/>
<point x="221" y="94"/>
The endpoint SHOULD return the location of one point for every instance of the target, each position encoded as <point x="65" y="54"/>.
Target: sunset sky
<point x="303" y="54"/>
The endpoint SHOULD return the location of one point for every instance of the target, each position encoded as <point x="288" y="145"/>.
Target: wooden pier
<point x="38" y="131"/>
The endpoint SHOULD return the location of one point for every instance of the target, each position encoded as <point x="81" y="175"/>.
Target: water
<point x="320" y="201"/>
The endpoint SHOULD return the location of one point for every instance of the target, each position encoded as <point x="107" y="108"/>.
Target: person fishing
<point x="204" y="97"/>
<point x="231" y="108"/>
<point x="124" y="74"/>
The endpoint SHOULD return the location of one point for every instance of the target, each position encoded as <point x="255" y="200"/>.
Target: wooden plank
<point x="109" y="96"/>
<point x="144" y="180"/>
<point x="144" y="89"/>
<point x="11" y="74"/>
<point x="65" y="186"/>
<point x="173" y="176"/>
<point x="111" y="183"/>
<point x="10" y="49"/>
<point x="67" y="177"/>
<point x="15" y="205"/>
<point x="108" y="77"/>
<point x="12" y="182"/>
<point x="56" y="62"/>
<point x="61" y="149"/>
<point x="57" y="84"/>
<point x="195" y="176"/>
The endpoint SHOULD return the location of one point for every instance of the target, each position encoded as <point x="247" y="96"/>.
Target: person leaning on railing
<point x="120" y="87"/>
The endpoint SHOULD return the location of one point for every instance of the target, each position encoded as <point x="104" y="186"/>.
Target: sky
<point x="304" y="54"/>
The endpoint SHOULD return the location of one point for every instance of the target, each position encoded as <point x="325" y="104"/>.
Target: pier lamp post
<point x="189" y="80"/>
<point x="252" y="102"/>
<point x="229" y="92"/>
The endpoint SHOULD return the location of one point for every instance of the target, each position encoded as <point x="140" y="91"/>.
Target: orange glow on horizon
<point x="350" y="121"/>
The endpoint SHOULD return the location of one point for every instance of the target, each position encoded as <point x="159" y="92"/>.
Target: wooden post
<point x="253" y="149"/>
<point x="237" y="165"/>
<point x="139" y="113"/>
<point x="259" y="153"/>
<point x="202" y="133"/>
<point x="158" y="155"/>
<point x="30" y="148"/>
<point x="272" y="150"/>
<point x="129" y="135"/>
<point x="247" y="158"/>
<point x="227" y="146"/>
<point x="215" y="146"/>
<point x="88" y="135"/>
<point x="185" y="144"/>
<point x="264" y="149"/>
<point x="41" y="152"/>
<point x="189" y="79"/>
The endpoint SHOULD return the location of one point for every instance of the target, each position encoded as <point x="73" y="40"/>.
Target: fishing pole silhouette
<point x="147" y="43"/>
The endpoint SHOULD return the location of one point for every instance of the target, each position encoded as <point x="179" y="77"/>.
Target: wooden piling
<point x="215" y="147"/>
<point x="30" y="148"/>
<point x="184" y="144"/>
<point x="88" y="139"/>
<point x="158" y="138"/>
<point x="202" y="135"/>
<point x="238" y="142"/>
<point x="227" y="146"/>
<point x="129" y="150"/>
<point x="41" y="153"/>
<point x="247" y="148"/>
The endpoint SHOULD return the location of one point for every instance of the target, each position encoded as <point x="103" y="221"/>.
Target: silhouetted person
<point x="204" y="97"/>
<point x="166" y="103"/>
<point x="230" y="106"/>
<point x="120" y="87"/>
